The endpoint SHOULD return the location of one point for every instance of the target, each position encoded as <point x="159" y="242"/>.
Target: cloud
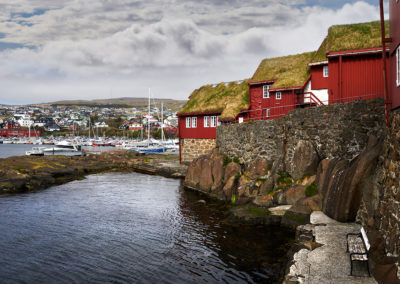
<point x="84" y="48"/>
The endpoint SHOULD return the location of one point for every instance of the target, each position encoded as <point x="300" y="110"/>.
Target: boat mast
<point x="162" y="126"/>
<point x="148" y="124"/>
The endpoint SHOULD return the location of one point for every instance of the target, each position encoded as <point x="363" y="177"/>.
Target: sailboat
<point x="151" y="146"/>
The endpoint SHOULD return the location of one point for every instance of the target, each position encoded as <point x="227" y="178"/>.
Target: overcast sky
<point x="86" y="49"/>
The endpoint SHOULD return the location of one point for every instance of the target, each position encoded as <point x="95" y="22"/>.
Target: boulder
<point x="263" y="200"/>
<point x="257" y="168"/>
<point x="217" y="172"/>
<point x="344" y="182"/>
<point x="294" y="193"/>
<point x="206" y="179"/>
<point x="305" y="160"/>
<point x="192" y="178"/>
<point x="231" y="170"/>
<point x="229" y="188"/>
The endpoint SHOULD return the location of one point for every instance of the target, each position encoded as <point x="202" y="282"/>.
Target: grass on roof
<point x="355" y="36"/>
<point x="287" y="71"/>
<point x="320" y="54"/>
<point x="229" y="99"/>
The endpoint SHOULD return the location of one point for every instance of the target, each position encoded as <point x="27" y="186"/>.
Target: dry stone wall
<point x="334" y="131"/>
<point x="193" y="148"/>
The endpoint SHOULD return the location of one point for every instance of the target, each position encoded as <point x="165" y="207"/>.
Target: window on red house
<point x="213" y="121"/>
<point x="266" y="91"/>
<point x="325" y="71"/>
<point x="188" y="120"/>
<point x="398" y="66"/>
<point x="268" y="112"/>
<point x="278" y="95"/>
<point x="206" y="121"/>
<point x="194" y="122"/>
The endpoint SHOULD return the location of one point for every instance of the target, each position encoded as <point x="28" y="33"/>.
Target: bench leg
<point x="351" y="267"/>
<point x="369" y="274"/>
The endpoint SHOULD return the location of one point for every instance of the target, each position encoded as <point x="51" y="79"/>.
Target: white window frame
<point x="268" y="112"/>
<point x="218" y="121"/>
<point x="194" y="122"/>
<point x="213" y="121"/>
<point x="398" y="66"/>
<point x="206" y="121"/>
<point x="278" y="95"/>
<point x="325" y="71"/>
<point x="188" y="122"/>
<point x="266" y="91"/>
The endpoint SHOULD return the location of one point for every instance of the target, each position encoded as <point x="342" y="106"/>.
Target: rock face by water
<point x="22" y="174"/>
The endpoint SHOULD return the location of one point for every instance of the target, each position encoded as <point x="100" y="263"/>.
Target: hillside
<point x="123" y="102"/>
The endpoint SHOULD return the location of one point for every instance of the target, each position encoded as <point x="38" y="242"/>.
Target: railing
<point x="282" y="110"/>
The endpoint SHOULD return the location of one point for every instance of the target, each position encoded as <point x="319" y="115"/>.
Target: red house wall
<point x="18" y="133"/>
<point x="395" y="35"/>
<point x="255" y="97"/>
<point x="278" y="108"/>
<point x="318" y="81"/>
<point x="360" y="77"/>
<point x="200" y="132"/>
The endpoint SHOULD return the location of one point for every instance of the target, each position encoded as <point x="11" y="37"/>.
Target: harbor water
<point x="131" y="228"/>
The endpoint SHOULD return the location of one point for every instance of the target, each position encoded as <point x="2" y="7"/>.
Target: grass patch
<point x="225" y="98"/>
<point x="356" y="36"/>
<point x="311" y="190"/>
<point x="21" y="169"/>
<point x="284" y="180"/>
<point x="320" y="54"/>
<point x="233" y="199"/>
<point x="226" y="160"/>
<point x="236" y="160"/>
<point x="38" y="165"/>
<point x="258" y="211"/>
<point x="287" y="71"/>
<point x="260" y="179"/>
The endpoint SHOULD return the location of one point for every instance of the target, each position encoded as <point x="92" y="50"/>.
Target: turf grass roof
<point x="227" y="98"/>
<point x="287" y="71"/>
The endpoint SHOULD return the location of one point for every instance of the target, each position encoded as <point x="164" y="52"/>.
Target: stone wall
<point x="335" y="131"/>
<point x="193" y="148"/>
<point x="380" y="210"/>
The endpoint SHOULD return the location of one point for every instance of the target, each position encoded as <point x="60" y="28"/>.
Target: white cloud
<point x="85" y="48"/>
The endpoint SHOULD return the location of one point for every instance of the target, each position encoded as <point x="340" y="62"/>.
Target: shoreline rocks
<point x="25" y="174"/>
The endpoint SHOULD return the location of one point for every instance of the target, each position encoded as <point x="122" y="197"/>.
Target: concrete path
<point x="330" y="262"/>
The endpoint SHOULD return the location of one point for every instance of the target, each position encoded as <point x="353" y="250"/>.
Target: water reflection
<point x="130" y="228"/>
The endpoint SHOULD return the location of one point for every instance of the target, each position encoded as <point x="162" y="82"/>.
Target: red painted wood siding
<point x="361" y="77"/>
<point x="318" y="81"/>
<point x="278" y="108"/>
<point x="200" y="132"/>
<point x="395" y="35"/>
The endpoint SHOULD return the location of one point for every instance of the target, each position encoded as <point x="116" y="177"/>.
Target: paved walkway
<point x="329" y="263"/>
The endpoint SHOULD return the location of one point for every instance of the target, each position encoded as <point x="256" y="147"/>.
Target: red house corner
<point x="208" y="107"/>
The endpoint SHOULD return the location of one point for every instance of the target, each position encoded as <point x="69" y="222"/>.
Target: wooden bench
<point x="358" y="246"/>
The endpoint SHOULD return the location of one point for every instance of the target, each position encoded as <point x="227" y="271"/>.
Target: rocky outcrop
<point x="342" y="182"/>
<point x="34" y="173"/>
<point x="305" y="160"/>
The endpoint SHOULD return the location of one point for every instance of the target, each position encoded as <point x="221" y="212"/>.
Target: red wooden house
<point x="207" y="107"/>
<point x="278" y="86"/>
<point x="348" y="65"/>
<point x="394" y="54"/>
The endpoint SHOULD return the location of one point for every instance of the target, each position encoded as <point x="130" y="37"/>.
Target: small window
<point x="206" y="121"/>
<point x="398" y="66"/>
<point x="325" y="71"/>
<point x="268" y="112"/>
<point x="188" y="120"/>
<point x="213" y="121"/>
<point x="266" y="91"/>
<point x="240" y="119"/>
<point x="278" y="95"/>
<point x="218" y="121"/>
<point x="194" y="122"/>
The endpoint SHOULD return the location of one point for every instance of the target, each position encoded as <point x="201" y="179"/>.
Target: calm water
<point x="8" y="150"/>
<point x="129" y="228"/>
